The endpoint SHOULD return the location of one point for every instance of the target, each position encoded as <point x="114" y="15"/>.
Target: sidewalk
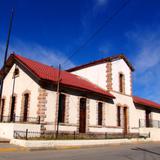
<point x="4" y="147"/>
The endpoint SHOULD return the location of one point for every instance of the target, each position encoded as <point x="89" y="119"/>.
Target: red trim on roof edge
<point x="108" y="59"/>
<point x="48" y="73"/>
<point x="145" y="102"/>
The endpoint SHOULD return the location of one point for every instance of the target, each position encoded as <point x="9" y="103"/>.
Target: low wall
<point x="7" y="129"/>
<point x="105" y="130"/>
<point x="72" y="143"/>
<point x="154" y="133"/>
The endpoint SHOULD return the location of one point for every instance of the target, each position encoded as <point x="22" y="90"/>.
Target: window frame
<point x="3" y="101"/>
<point x="62" y="108"/>
<point x="100" y="113"/>
<point x="119" y="116"/>
<point x="16" y="72"/>
<point x="121" y="83"/>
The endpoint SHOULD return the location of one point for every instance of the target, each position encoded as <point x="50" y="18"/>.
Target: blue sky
<point x="50" y="30"/>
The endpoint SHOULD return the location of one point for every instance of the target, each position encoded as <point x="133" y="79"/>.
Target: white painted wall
<point x="22" y="82"/>
<point x="156" y="116"/>
<point x="51" y="107"/>
<point x="93" y="111"/>
<point x="117" y="67"/>
<point x="133" y="115"/>
<point x="7" y="129"/>
<point x="154" y="133"/>
<point x="105" y="130"/>
<point x="96" y="74"/>
<point x="111" y="115"/>
<point x="73" y="109"/>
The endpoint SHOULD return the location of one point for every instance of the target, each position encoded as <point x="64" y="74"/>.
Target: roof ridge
<point x="15" y="54"/>
<point x="60" y="70"/>
<point x="46" y="72"/>
<point x="103" y="60"/>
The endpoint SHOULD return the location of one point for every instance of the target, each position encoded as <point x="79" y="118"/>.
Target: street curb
<point x="80" y="147"/>
<point x="4" y="142"/>
<point x="64" y="145"/>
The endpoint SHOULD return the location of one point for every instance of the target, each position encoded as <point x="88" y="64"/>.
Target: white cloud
<point x="149" y="51"/>
<point x="39" y="53"/>
<point x="91" y="11"/>
<point x="147" y="63"/>
<point x="100" y="3"/>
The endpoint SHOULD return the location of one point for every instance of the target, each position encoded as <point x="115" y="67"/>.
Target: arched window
<point x="16" y="72"/>
<point x="121" y="83"/>
<point x="25" y="109"/>
<point x="62" y="107"/>
<point x="100" y="113"/>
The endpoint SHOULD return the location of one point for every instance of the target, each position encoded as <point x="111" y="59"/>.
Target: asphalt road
<point x="149" y="151"/>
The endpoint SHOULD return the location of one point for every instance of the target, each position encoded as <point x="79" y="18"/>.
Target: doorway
<point x="82" y="119"/>
<point x="125" y="120"/>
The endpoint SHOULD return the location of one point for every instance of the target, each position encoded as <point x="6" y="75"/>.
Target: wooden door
<point x="148" y="113"/>
<point x="82" y="120"/>
<point x="25" y="112"/>
<point x="125" y="116"/>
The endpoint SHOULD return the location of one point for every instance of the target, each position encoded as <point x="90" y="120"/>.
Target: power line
<point x="6" y="52"/>
<point x="108" y="20"/>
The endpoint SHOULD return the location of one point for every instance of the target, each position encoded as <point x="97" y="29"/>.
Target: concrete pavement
<point x="150" y="151"/>
<point x="6" y="147"/>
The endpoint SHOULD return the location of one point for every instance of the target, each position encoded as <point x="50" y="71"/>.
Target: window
<point x="82" y="115"/>
<point x="148" y="118"/>
<point x="12" y="115"/>
<point x="16" y="72"/>
<point x="119" y="116"/>
<point x="100" y="112"/>
<point x="2" y="109"/>
<point x="121" y="83"/>
<point x="25" y="111"/>
<point x="61" y="112"/>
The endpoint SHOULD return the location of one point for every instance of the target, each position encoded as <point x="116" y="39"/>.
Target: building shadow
<point x="145" y="150"/>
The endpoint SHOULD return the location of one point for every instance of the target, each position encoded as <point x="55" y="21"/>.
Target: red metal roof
<point x="108" y="59"/>
<point x="49" y="73"/>
<point x="145" y="102"/>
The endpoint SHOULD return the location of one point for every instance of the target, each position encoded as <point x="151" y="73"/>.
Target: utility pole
<point x="6" y="53"/>
<point x="57" y="100"/>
